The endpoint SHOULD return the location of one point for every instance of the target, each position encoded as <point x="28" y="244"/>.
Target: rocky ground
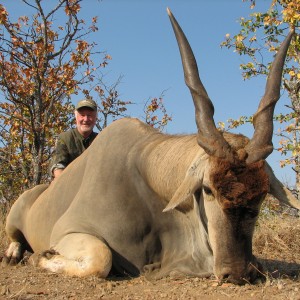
<point x="276" y="244"/>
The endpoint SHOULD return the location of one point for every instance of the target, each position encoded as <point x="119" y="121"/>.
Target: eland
<point x="138" y="201"/>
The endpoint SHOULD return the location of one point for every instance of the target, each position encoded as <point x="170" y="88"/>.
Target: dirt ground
<point x="276" y="244"/>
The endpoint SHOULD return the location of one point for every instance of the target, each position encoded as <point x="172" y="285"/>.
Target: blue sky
<point x="138" y="36"/>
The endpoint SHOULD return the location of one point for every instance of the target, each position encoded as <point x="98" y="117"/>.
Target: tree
<point x="156" y="113"/>
<point x="41" y="66"/>
<point x="110" y="106"/>
<point x="272" y="26"/>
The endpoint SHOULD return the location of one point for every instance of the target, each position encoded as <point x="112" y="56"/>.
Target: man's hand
<point x="57" y="173"/>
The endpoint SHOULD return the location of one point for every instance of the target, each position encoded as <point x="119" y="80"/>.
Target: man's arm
<point x="61" y="158"/>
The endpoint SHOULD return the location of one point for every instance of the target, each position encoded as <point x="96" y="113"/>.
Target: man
<point x="72" y="143"/>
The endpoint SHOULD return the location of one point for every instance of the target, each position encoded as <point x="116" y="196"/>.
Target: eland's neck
<point x="164" y="162"/>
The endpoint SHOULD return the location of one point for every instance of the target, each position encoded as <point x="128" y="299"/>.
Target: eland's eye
<point x="207" y="190"/>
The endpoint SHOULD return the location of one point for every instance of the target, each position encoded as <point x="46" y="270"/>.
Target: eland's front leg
<point x="13" y="254"/>
<point x="78" y="254"/>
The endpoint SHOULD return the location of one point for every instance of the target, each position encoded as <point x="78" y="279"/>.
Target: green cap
<point x="87" y="103"/>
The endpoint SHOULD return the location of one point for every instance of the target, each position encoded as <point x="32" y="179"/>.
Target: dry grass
<point x="277" y="244"/>
<point x="4" y="208"/>
<point x="278" y="237"/>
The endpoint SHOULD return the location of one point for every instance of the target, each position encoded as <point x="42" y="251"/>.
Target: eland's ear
<point x="183" y="198"/>
<point x="279" y="191"/>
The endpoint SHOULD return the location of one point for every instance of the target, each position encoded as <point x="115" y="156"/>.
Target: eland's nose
<point x="240" y="276"/>
<point x="233" y="278"/>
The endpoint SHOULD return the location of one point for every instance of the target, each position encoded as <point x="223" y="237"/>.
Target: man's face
<point x="85" y="120"/>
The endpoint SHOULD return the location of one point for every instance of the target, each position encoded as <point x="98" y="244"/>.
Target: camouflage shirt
<point x="69" y="145"/>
